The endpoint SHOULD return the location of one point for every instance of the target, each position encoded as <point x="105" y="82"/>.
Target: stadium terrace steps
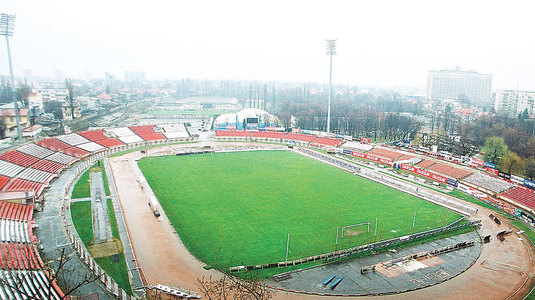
<point x="130" y="139"/>
<point x="147" y="133"/>
<point x="91" y="147"/>
<point x="94" y="135"/>
<point x="143" y="129"/>
<point x="17" y="212"/>
<point x="405" y="157"/>
<point x="268" y="135"/>
<point x="36" y="284"/>
<point x="53" y="144"/>
<point x="35" y="150"/>
<point x="16" y="232"/>
<point x="424" y="164"/>
<point x="19" y="158"/>
<point x="487" y="182"/>
<point x="300" y="137"/>
<point x="3" y="181"/>
<point x="119" y="132"/>
<point x="450" y="171"/>
<point x="109" y="143"/>
<point x="21" y="185"/>
<point x="19" y="256"/>
<point x="35" y="175"/>
<point x="325" y="141"/>
<point x="522" y="196"/>
<point x="152" y="137"/>
<point x="236" y="133"/>
<point x="385" y="153"/>
<point x="9" y="169"/>
<point x="75" y="151"/>
<point x="72" y="139"/>
<point x="61" y="158"/>
<point x="48" y="166"/>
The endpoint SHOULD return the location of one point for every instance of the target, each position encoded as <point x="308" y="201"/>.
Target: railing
<point x="358" y="249"/>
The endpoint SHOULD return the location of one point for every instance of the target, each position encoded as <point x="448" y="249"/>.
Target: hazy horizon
<point x="382" y="43"/>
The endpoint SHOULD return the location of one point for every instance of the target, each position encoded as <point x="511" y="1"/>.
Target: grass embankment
<point x="82" y="189"/>
<point x="83" y="222"/>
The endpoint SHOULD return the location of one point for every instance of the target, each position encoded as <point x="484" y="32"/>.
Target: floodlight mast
<point x="7" y="26"/>
<point x="331" y="50"/>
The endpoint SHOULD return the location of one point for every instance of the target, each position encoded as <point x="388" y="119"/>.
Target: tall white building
<point x="512" y="102"/>
<point x="455" y="84"/>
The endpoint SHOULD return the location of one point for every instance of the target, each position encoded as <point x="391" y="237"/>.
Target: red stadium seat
<point x="300" y="137"/>
<point x="19" y="158"/>
<point x="53" y="144"/>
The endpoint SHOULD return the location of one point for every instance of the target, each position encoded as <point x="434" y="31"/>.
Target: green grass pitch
<point x="237" y="208"/>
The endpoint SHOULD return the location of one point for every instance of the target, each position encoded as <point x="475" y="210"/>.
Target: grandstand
<point x="21" y="185"/>
<point x="90" y="147"/>
<point x="357" y="146"/>
<point x="48" y="166"/>
<point x="75" y="151"/>
<point x="174" y="131"/>
<point x="35" y="175"/>
<point x="268" y="135"/>
<point x="520" y="195"/>
<point x="450" y="171"/>
<point x="61" y="158"/>
<point x="405" y="157"/>
<point x="22" y="270"/>
<point x="110" y="143"/>
<point x="147" y="133"/>
<point x="233" y="133"/>
<point x="325" y="141"/>
<point x="28" y="283"/>
<point x="72" y="139"/>
<point x="53" y="144"/>
<point x="93" y="135"/>
<point x="35" y="150"/>
<point x="24" y="174"/>
<point x="3" y="181"/>
<point x="298" y="137"/>
<point x="98" y="137"/>
<point x="385" y="153"/>
<point x="487" y="183"/>
<point x="426" y="163"/>
<point x="8" y="169"/>
<point x="19" y="158"/>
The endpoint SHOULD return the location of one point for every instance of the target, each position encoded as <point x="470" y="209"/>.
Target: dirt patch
<point x="106" y="249"/>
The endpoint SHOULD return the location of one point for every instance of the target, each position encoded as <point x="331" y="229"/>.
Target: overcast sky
<point x="380" y="43"/>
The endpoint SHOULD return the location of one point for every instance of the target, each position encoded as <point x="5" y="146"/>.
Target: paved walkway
<point x="99" y="207"/>
<point x="400" y="277"/>
<point x="53" y="237"/>
<point x="133" y="269"/>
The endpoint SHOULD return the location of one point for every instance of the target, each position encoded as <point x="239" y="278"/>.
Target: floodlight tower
<point x="331" y="50"/>
<point x="7" y="26"/>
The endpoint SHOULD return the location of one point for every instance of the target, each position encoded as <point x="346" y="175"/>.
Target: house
<point x="8" y="122"/>
<point x="66" y="110"/>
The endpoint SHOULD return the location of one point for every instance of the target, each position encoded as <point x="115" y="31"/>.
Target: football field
<point x="238" y="208"/>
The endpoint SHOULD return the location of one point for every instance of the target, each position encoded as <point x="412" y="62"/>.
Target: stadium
<point x="306" y="214"/>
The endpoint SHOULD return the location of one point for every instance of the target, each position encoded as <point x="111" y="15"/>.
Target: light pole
<point x="7" y="26"/>
<point x="331" y="50"/>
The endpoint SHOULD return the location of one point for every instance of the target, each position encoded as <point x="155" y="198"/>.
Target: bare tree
<point x="57" y="271"/>
<point x="230" y="287"/>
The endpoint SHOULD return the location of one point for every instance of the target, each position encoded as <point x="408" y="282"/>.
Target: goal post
<point x="355" y="225"/>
